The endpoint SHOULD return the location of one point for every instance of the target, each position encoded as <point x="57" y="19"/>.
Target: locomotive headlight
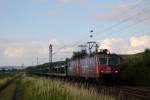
<point x="116" y="71"/>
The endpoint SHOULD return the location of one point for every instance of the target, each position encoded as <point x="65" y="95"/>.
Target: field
<point x="35" y="88"/>
<point x="43" y="89"/>
<point x="25" y="87"/>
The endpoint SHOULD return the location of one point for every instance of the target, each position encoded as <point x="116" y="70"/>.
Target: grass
<point x="6" y="77"/>
<point x="7" y="85"/>
<point x="3" y="81"/>
<point x="37" y="88"/>
<point x="8" y="92"/>
<point x="45" y="89"/>
<point x="8" y="74"/>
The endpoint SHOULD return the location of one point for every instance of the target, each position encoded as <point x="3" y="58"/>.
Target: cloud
<point x="67" y="50"/>
<point x="17" y="52"/>
<point x="131" y="2"/>
<point x="123" y="10"/>
<point x="143" y="41"/>
<point x="12" y="52"/>
<point x="131" y="46"/>
<point x="116" y="45"/>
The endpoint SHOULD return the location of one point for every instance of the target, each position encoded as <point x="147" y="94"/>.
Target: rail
<point x="143" y="94"/>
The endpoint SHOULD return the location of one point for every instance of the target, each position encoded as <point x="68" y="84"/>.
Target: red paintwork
<point x="108" y="69"/>
<point x="77" y="68"/>
<point x="95" y="67"/>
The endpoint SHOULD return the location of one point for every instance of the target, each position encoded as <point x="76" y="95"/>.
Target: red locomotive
<point x="99" y="65"/>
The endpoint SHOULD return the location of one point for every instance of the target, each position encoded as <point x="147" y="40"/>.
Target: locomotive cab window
<point x="114" y="60"/>
<point x="103" y="60"/>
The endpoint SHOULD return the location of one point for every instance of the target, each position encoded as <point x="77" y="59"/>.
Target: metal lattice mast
<point x="37" y="60"/>
<point x="50" y="53"/>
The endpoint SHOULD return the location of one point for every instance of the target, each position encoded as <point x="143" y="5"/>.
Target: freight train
<point x="100" y="66"/>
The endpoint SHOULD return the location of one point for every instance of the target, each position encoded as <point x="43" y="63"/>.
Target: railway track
<point x="142" y="94"/>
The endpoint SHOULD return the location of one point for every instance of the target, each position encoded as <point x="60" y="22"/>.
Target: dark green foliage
<point x="67" y="59"/>
<point x="135" y="69"/>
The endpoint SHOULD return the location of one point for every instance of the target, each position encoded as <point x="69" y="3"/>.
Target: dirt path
<point x="6" y="85"/>
<point x="16" y="95"/>
<point x="8" y="90"/>
<point x="11" y="90"/>
<point x="17" y="92"/>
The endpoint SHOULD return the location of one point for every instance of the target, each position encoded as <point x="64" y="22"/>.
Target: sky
<point x="27" y="27"/>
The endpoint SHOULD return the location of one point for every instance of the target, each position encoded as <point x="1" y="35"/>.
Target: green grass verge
<point x="8" y="74"/>
<point x="46" y="89"/>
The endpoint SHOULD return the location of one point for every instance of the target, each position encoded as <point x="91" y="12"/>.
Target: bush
<point x="135" y="69"/>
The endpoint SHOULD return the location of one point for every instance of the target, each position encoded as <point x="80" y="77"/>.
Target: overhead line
<point x="122" y="21"/>
<point x="129" y="26"/>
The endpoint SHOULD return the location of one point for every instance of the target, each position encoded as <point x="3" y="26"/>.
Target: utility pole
<point x="32" y="63"/>
<point x="22" y="66"/>
<point x="50" y="53"/>
<point x="37" y="60"/>
<point x="50" y="57"/>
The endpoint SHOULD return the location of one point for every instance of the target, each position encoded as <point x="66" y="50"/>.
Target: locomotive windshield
<point x="114" y="60"/>
<point x="103" y="61"/>
<point x="111" y="60"/>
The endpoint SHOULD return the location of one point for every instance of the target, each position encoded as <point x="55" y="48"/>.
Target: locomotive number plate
<point x="108" y="70"/>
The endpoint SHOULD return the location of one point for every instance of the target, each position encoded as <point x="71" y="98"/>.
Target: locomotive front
<point x="108" y="66"/>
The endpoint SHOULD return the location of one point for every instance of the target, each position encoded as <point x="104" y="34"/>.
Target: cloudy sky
<point x="27" y="27"/>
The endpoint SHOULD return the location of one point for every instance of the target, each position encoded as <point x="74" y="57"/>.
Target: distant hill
<point x="135" y="68"/>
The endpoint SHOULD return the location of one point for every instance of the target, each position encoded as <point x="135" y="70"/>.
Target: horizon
<point x="25" y="66"/>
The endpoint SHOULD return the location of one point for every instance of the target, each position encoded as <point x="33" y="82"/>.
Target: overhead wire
<point x="111" y="27"/>
<point x="129" y="26"/>
<point x="121" y="22"/>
